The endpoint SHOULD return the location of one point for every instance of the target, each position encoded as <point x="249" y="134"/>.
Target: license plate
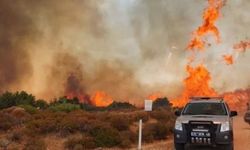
<point x="200" y="134"/>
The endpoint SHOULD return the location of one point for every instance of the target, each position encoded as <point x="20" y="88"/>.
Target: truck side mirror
<point x="177" y="112"/>
<point x="233" y="113"/>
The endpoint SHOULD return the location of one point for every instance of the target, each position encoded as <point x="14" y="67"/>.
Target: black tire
<point x="179" y="146"/>
<point x="228" y="147"/>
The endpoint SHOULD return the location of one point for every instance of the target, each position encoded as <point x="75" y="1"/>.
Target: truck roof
<point x="206" y="100"/>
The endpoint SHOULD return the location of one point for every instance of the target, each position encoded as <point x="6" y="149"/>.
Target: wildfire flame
<point x="237" y="99"/>
<point x="228" y="59"/>
<point x="198" y="81"/>
<point x="154" y="96"/>
<point x="196" y="84"/>
<point x="210" y="16"/>
<point x="101" y="99"/>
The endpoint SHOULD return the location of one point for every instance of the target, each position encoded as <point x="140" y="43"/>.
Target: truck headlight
<point x="178" y="125"/>
<point x="225" y="126"/>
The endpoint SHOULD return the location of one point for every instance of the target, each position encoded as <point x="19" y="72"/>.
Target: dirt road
<point x="241" y="138"/>
<point x="241" y="134"/>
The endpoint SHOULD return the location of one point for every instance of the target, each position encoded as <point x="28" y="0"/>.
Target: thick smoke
<point x="16" y="32"/>
<point x="127" y="48"/>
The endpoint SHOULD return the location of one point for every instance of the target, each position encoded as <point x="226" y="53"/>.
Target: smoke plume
<point x="126" y="48"/>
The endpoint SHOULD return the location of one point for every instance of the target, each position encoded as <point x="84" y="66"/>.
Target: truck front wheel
<point x="179" y="146"/>
<point x="228" y="147"/>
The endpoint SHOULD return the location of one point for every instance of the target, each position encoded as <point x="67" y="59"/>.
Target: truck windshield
<point x="205" y="109"/>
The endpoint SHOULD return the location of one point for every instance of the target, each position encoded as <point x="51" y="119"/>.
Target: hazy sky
<point x="127" y="48"/>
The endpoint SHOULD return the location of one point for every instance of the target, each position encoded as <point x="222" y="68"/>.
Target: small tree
<point x="161" y="102"/>
<point x="23" y="98"/>
<point x="41" y="104"/>
<point x="8" y="99"/>
<point x="120" y="105"/>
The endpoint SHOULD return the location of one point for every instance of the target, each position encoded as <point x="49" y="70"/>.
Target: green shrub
<point x="120" y="106"/>
<point x="105" y="136"/>
<point x="29" y="109"/>
<point x="66" y="107"/>
<point x="8" y="99"/>
<point x="35" y="144"/>
<point x="83" y="142"/>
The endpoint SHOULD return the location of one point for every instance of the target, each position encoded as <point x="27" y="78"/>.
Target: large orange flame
<point x="196" y="84"/>
<point x="210" y="16"/>
<point x="198" y="81"/>
<point x="101" y="99"/>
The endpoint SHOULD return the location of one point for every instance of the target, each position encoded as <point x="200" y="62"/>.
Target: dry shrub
<point x="42" y="126"/>
<point x="4" y="143"/>
<point x="156" y="131"/>
<point x="15" y="136"/>
<point x="8" y="121"/>
<point x="18" y="113"/>
<point x="127" y="138"/>
<point x="162" y="115"/>
<point x="105" y="136"/>
<point x="120" y="122"/>
<point x="35" y="144"/>
<point x="82" y="142"/>
<point x="62" y="123"/>
<point x="140" y="115"/>
<point x="45" y="122"/>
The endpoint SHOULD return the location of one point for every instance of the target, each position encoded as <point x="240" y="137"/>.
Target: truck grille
<point x="201" y="132"/>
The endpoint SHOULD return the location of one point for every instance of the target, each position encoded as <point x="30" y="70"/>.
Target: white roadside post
<point x="140" y="134"/>
<point x="147" y="107"/>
